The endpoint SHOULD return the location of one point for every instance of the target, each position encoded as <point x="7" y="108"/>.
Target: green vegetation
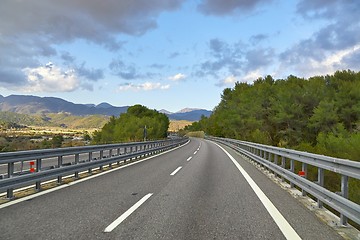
<point x="197" y="134"/>
<point x="52" y="130"/>
<point x="320" y="114"/>
<point x="301" y="113"/>
<point x="130" y="126"/>
<point x="14" y="120"/>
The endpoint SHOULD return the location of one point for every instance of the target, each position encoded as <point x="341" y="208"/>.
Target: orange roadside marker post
<point x="32" y="169"/>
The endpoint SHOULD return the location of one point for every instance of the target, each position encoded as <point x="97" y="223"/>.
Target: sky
<point x="169" y="54"/>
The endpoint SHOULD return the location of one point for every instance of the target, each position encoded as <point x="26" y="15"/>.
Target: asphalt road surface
<point x="193" y="192"/>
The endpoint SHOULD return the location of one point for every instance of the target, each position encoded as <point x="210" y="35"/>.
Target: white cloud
<point x="328" y="65"/>
<point x="177" y="77"/>
<point x="251" y="76"/>
<point x="230" y="80"/>
<point x="146" y="86"/>
<point x="49" y="78"/>
<point x="41" y="25"/>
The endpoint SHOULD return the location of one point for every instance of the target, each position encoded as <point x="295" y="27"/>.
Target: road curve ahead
<point x="198" y="191"/>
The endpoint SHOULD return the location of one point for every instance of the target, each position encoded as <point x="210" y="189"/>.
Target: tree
<point x="130" y="126"/>
<point x="287" y="112"/>
<point x="57" y="141"/>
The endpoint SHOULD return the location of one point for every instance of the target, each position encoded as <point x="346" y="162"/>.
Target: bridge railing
<point x="282" y="161"/>
<point x="25" y="168"/>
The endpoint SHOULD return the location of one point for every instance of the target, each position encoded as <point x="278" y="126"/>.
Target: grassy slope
<point x="176" y="125"/>
<point x="71" y="121"/>
<point x="55" y="120"/>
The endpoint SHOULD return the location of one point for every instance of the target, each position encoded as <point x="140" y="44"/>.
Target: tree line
<point x="137" y="123"/>
<point x="320" y="114"/>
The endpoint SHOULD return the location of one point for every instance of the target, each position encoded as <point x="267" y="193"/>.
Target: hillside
<point x="54" y="120"/>
<point x="190" y="115"/>
<point x="26" y="104"/>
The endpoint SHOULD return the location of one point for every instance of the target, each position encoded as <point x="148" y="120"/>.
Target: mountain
<point x="39" y="105"/>
<point x="27" y="104"/>
<point x="191" y="115"/>
<point x="185" y="110"/>
<point x="165" y="112"/>
<point x="104" y="105"/>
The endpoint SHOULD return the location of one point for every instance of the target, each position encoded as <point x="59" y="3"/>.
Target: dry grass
<point x="176" y="125"/>
<point x="198" y="134"/>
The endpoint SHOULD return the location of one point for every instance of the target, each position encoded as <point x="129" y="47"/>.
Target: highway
<point x="196" y="191"/>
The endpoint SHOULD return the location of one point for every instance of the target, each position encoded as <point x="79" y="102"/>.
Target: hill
<point x="190" y="115"/>
<point x="27" y="104"/>
<point x="54" y="120"/>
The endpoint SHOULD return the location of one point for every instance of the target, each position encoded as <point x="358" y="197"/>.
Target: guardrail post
<point x="21" y="166"/>
<point x="125" y="152"/>
<point x="131" y="151"/>
<point x="10" y="191"/>
<point x="90" y="159"/>
<point x="101" y="157"/>
<point x="320" y="182"/>
<point x="345" y="194"/>
<point x="60" y="163"/>
<point x="76" y="162"/>
<point x="110" y="155"/>
<point x="276" y="161"/>
<point x="292" y="169"/>
<point x="283" y="162"/>
<point x="304" y="169"/>
<point x="38" y="169"/>
<point x="118" y="154"/>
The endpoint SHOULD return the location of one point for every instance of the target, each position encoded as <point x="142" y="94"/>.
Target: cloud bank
<point x="31" y="30"/>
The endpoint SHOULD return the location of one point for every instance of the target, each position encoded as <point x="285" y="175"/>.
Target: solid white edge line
<point x="175" y="171"/>
<point x="126" y="214"/>
<point x="12" y="202"/>
<point x="279" y="219"/>
<point x="189" y="158"/>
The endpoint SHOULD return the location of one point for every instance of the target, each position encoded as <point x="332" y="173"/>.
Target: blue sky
<point x="169" y="54"/>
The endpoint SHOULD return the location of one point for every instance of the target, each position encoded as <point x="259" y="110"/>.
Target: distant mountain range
<point x="25" y="104"/>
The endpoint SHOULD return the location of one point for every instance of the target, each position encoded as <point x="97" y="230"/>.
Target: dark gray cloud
<point x="225" y="7"/>
<point x="157" y="66"/>
<point x="174" y="55"/>
<point x="318" y="8"/>
<point x="256" y="39"/>
<point x="351" y="62"/>
<point x="91" y="74"/>
<point x="31" y="30"/>
<point x="342" y="33"/>
<point x="234" y="60"/>
<point x="67" y="57"/>
<point x="119" y="68"/>
<point x="224" y="56"/>
<point x="260" y="57"/>
<point x="130" y="71"/>
<point x="87" y="19"/>
<point x="10" y="76"/>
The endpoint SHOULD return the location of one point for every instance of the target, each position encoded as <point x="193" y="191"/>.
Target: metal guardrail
<point x="107" y="155"/>
<point x="269" y="156"/>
